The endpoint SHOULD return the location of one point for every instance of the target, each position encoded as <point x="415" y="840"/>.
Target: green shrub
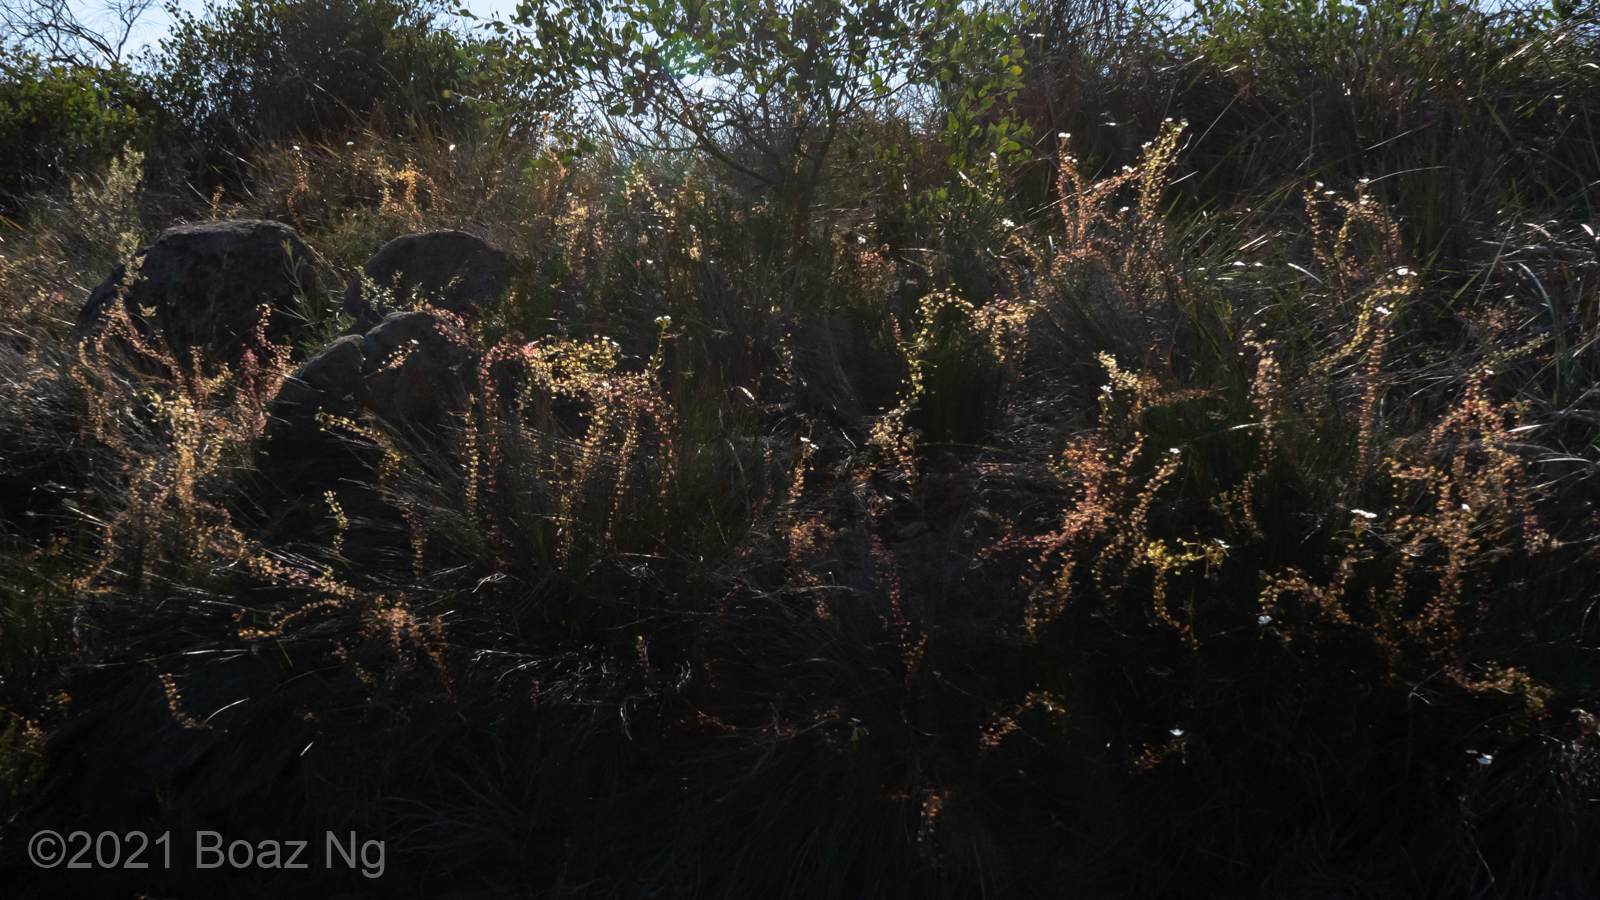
<point x="1455" y="111"/>
<point x="56" y="120"/>
<point x="252" y="72"/>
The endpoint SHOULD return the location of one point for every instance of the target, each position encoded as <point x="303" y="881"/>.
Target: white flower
<point x="1263" y="619"/>
<point x="1364" y="514"/>
<point x="1175" y="732"/>
<point x="664" y="321"/>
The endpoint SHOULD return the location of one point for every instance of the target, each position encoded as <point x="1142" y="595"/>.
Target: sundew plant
<point x="920" y="449"/>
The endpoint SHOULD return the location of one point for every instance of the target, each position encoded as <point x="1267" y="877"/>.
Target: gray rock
<point x="409" y="374"/>
<point x="450" y="270"/>
<point x="203" y="286"/>
<point x="414" y="371"/>
<point x="330" y="381"/>
<point x="410" y="371"/>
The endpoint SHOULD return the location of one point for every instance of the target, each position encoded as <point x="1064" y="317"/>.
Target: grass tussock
<point x="1207" y="506"/>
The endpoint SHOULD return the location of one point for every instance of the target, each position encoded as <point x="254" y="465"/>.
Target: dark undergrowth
<point x="1204" y="505"/>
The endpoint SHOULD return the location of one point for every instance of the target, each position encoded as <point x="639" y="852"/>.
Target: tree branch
<point x="52" y="28"/>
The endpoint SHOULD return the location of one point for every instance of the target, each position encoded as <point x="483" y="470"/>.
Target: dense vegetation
<point x="958" y="451"/>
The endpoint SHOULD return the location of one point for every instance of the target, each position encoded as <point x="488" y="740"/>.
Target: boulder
<point x="449" y="270"/>
<point x="415" y="366"/>
<point x="203" y="286"/>
<point x="330" y="381"/>
<point x="297" y="458"/>
<point x="409" y="371"/>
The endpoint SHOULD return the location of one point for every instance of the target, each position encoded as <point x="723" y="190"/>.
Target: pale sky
<point x="156" y="22"/>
